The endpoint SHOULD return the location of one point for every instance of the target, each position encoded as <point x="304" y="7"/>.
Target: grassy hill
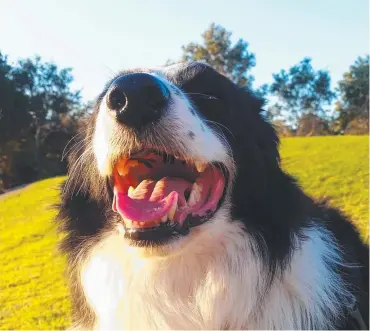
<point x="33" y="294"/>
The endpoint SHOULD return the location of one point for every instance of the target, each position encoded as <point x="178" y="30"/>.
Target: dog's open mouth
<point x="157" y="192"/>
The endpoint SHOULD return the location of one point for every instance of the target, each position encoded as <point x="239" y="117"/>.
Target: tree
<point x="234" y="61"/>
<point x="353" y="101"/>
<point x="35" y="100"/>
<point x="48" y="91"/>
<point x="47" y="88"/>
<point x="300" y="91"/>
<point x="14" y="121"/>
<point x="262" y="91"/>
<point x="282" y="129"/>
<point x="14" y="118"/>
<point x="312" y="125"/>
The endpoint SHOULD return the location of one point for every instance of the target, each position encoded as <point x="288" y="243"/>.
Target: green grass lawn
<point x="33" y="294"/>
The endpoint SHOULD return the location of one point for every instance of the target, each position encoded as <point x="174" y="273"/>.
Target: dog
<point x="177" y="215"/>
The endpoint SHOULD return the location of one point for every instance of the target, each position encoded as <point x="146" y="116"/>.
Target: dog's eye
<point x="202" y="96"/>
<point x="209" y="105"/>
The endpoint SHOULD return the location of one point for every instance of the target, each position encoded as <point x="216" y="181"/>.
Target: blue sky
<point x="98" y="38"/>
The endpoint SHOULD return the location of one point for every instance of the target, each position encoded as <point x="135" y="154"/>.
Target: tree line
<point x="301" y="97"/>
<point x="40" y="112"/>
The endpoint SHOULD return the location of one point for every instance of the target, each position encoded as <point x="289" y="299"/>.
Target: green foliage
<point x="14" y="118"/>
<point x="41" y="89"/>
<point x="262" y="91"/>
<point x="32" y="287"/>
<point x="282" y="129"/>
<point x="299" y="91"/>
<point x="353" y="91"/>
<point x="358" y="126"/>
<point x="312" y="125"/>
<point x="47" y="86"/>
<point x="36" y="100"/>
<point x="234" y="61"/>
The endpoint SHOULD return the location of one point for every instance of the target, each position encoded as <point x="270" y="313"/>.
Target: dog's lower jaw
<point x="217" y="282"/>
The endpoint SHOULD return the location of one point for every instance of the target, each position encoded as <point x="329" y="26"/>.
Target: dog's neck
<point x="217" y="283"/>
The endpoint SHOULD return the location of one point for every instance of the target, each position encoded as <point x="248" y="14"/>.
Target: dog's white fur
<point x="214" y="278"/>
<point x="216" y="282"/>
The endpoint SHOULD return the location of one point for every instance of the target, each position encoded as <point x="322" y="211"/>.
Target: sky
<point x="100" y="38"/>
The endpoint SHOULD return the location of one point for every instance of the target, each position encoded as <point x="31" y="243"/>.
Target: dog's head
<point x="167" y="151"/>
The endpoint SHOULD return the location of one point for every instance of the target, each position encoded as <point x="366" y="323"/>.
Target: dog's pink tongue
<point x="151" y="200"/>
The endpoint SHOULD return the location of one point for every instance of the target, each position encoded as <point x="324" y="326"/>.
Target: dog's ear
<point x="256" y="102"/>
<point x="265" y="133"/>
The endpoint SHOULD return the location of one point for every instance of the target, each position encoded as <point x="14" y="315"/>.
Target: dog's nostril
<point x="116" y="100"/>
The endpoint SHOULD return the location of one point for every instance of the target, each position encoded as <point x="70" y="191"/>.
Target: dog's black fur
<point x="269" y="202"/>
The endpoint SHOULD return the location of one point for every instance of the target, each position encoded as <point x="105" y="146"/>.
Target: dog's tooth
<point x="127" y="221"/>
<point x="164" y="219"/>
<point x="171" y="213"/>
<point x="194" y="195"/>
<point x="130" y="191"/>
<point x="120" y="228"/>
<point x="135" y="223"/>
<point x="201" y="166"/>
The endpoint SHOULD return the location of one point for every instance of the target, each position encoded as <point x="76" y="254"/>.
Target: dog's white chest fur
<point x="161" y="295"/>
<point x="217" y="283"/>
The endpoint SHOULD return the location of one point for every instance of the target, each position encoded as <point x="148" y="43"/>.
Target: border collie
<point x="177" y="215"/>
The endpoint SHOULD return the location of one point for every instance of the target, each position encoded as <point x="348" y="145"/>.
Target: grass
<point x="336" y="168"/>
<point x="32" y="289"/>
<point x="33" y="294"/>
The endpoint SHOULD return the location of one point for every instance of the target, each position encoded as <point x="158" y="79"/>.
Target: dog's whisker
<point x="75" y="167"/>
<point x="65" y="150"/>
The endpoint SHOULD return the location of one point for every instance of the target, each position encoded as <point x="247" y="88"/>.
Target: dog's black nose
<point x="137" y="99"/>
